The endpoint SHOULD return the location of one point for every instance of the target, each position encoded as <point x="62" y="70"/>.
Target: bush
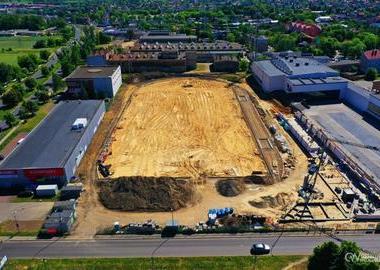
<point x="44" y="54"/>
<point x="12" y="97"/>
<point x="10" y="119"/>
<point x="30" y="83"/>
<point x="371" y="74"/>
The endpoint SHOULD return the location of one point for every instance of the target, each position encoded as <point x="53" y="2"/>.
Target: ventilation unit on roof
<point x="79" y="124"/>
<point x="297" y="64"/>
<point x="306" y="64"/>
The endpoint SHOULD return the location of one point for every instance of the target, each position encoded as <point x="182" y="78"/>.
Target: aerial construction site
<point x="186" y="144"/>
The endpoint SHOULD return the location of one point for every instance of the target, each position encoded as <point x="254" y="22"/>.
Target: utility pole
<point x="16" y="222"/>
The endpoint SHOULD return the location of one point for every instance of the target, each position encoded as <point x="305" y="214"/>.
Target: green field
<point x="198" y="263"/>
<point x="19" y="45"/>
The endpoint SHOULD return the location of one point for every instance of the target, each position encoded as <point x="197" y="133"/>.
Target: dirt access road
<point x="268" y="150"/>
<point x="183" y="127"/>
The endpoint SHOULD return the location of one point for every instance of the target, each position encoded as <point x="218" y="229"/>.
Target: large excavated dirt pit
<point x="183" y="127"/>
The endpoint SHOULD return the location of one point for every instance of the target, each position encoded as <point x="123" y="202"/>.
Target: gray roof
<point x="167" y="37"/>
<point x="296" y="67"/>
<point x="342" y="123"/>
<point x="83" y="72"/>
<point x="52" y="141"/>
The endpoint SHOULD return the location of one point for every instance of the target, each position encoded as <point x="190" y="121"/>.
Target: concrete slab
<point x="25" y="211"/>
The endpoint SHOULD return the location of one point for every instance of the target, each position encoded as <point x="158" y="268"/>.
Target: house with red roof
<point x="370" y="59"/>
<point x="308" y="29"/>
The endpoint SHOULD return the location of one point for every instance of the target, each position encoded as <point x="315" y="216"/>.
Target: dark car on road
<point x="260" y="249"/>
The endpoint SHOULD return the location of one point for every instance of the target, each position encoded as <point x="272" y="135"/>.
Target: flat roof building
<point x="293" y="74"/>
<point x="166" y="36"/>
<point x="52" y="151"/>
<point x="94" y="82"/>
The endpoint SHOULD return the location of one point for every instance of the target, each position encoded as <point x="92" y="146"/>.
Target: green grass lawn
<point x="20" y="46"/>
<point x="35" y="199"/>
<point x="209" y="263"/>
<point x="18" y="42"/>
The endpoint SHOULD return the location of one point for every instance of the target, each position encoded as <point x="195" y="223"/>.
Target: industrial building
<point x="51" y="152"/>
<point x="166" y="36"/>
<point x="225" y="64"/>
<point x="293" y="74"/>
<point x="370" y="59"/>
<point x="352" y="139"/>
<point x="205" y="52"/>
<point x="90" y="82"/>
<point x="165" y="61"/>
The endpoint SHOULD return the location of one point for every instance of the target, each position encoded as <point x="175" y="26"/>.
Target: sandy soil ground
<point x="183" y="127"/>
<point x="92" y="215"/>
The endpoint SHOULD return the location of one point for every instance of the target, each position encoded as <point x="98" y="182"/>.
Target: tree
<point x="333" y="257"/>
<point x="30" y="83"/>
<point x="42" y="96"/>
<point x="44" y="54"/>
<point x="41" y="43"/>
<point x="45" y="71"/>
<point x="231" y="37"/>
<point x="323" y="256"/>
<point x="10" y="119"/>
<point x="243" y="65"/>
<point x="12" y="97"/>
<point x="2" y="89"/>
<point x="29" y="62"/>
<point x="103" y="38"/>
<point x="371" y="74"/>
<point x="58" y="83"/>
<point x="30" y="107"/>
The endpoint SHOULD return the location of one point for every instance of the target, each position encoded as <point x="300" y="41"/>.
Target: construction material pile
<point x="230" y="187"/>
<point x="152" y="194"/>
<point x="280" y="200"/>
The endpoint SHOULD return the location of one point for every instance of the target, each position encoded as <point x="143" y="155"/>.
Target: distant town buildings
<point x="308" y="29"/>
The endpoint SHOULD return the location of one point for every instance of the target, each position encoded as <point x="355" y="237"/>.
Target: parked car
<point x="260" y="249"/>
<point x="25" y="194"/>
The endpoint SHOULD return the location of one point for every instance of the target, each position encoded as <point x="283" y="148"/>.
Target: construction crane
<point x="371" y="147"/>
<point x="308" y="188"/>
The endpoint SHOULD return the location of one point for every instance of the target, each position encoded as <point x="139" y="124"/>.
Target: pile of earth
<point x="152" y="194"/>
<point x="280" y="200"/>
<point x="230" y="187"/>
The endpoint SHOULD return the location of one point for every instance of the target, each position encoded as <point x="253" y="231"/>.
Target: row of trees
<point x="21" y="21"/>
<point x="49" y="43"/>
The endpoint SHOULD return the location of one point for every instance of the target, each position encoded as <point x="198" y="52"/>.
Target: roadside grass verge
<point x="209" y="263"/>
<point x="26" y="228"/>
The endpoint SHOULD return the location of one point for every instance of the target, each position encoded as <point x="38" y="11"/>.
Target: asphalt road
<point x="200" y="245"/>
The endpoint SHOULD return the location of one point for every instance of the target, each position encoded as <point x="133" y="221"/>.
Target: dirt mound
<point x="281" y="199"/>
<point x="230" y="187"/>
<point x="146" y="193"/>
